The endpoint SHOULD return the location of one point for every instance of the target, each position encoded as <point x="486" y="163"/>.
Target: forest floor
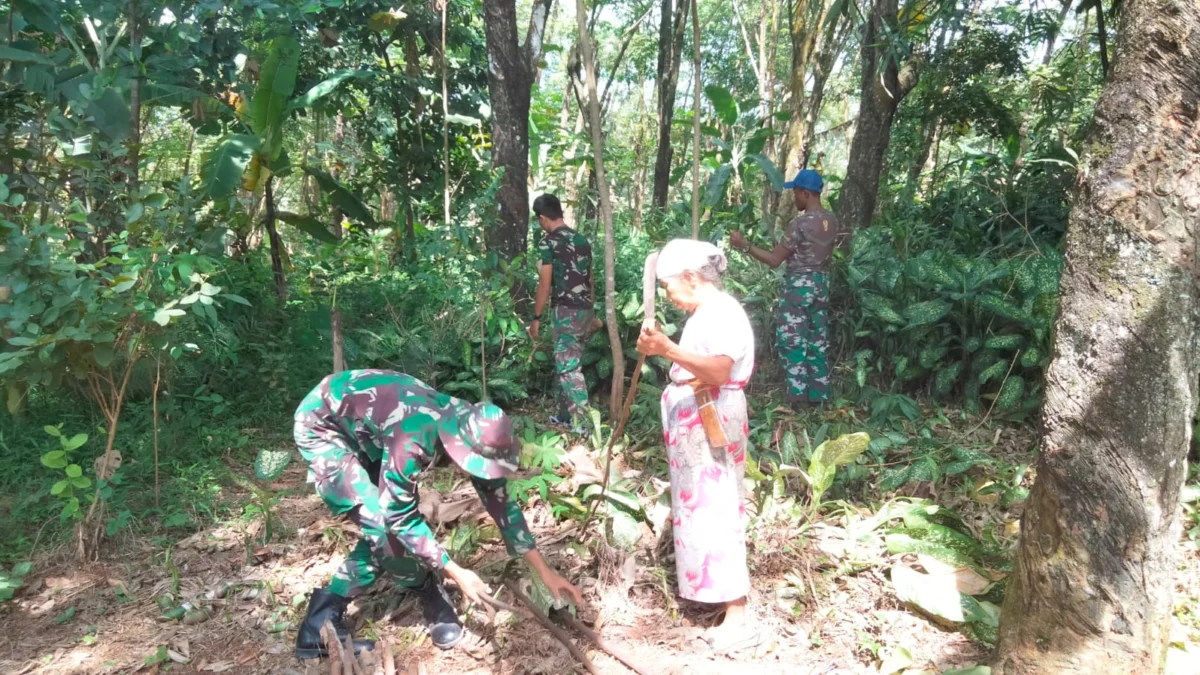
<point x="246" y="597"/>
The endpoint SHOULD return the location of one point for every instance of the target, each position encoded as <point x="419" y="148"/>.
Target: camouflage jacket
<point x="810" y="237"/>
<point x="388" y="423"/>
<point x="570" y="256"/>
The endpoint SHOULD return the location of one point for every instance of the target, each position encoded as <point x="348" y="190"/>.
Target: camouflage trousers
<point x="802" y="335"/>
<point x="570" y="330"/>
<point x="379" y="548"/>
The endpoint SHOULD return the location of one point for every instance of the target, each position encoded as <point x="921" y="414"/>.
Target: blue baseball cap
<point x="807" y="179"/>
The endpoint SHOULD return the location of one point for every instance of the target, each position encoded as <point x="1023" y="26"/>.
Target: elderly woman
<point x="705" y="427"/>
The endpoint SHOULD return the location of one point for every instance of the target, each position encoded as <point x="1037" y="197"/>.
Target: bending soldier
<point x="368" y="436"/>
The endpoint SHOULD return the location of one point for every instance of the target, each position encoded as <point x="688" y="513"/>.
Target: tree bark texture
<point x="1092" y="586"/>
<point x="511" y="68"/>
<point x="884" y="85"/>
<point x="606" y="212"/>
<point x="670" y="50"/>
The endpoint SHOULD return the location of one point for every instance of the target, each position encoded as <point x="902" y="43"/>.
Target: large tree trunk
<point x="606" y="212"/>
<point x="884" y="85"/>
<point x="511" y="68"/>
<point x="1092" y="587"/>
<point x="670" y="49"/>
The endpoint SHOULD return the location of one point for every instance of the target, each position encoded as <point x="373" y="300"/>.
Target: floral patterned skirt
<point x="707" y="496"/>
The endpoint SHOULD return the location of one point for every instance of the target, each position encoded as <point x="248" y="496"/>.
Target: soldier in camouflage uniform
<point x="369" y="436"/>
<point x="802" y="334"/>
<point x="565" y="280"/>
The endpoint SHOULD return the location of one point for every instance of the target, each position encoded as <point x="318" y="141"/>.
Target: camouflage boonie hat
<point x="479" y="438"/>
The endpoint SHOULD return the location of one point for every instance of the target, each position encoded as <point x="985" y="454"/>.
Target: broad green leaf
<point x="276" y="82"/>
<point x="135" y="213"/>
<point x="349" y="203"/>
<point x="327" y="87"/>
<point x="74" y="471"/>
<point x="624" y="530"/>
<point x="221" y="171"/>
<point x="769" y="170"/>
<point x="53" y="431"/>
<point x="269" y="464"/>
<point x="125" y="282"/>
<point x="22" y="569"/>
<point x="723" y="103"/>
<point x="236" y="298"/>
<point x="111" y="114"/>
<point x="55" y="459"/>
<point x="75" y="442"/>
<point x="716" y="185"/>
<point x="897" y="660"/>
<point x="310" y="226"/>
<point x="103" y="355"/>
<point x="21" y="56"/>
<point x="938" y="596"/>
<point x="59" y="487"/>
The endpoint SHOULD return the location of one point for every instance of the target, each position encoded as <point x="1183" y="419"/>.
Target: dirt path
<point x="106" y="617"/>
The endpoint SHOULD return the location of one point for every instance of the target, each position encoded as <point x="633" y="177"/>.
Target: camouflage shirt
<point x="570" y="255"/>
<point x="810" y="237"/>
<point x="388" y="423"/>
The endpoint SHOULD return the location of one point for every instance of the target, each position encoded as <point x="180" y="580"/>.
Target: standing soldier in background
<point x="803" y="326"/>
<point x="565" y="280"/>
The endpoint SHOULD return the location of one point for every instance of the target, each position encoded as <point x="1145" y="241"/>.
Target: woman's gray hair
<point x="713" y="270"/>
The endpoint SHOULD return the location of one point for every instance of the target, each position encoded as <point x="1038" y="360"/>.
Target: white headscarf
<point x="681" y="255"/>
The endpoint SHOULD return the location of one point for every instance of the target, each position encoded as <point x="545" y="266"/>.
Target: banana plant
<point x="739" y="146"/>
<point x="250" y="159"/>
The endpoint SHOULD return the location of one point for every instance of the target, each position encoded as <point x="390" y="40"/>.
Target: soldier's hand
<point x="737" y="240"/>
<point x="468" y="582"/>
<point x="535" y="329"/>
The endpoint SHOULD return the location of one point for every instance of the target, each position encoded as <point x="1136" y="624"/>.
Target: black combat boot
<point x="444" y="627"/>
<point x="323" y="606"/>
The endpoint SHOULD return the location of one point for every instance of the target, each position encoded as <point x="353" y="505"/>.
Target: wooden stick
<point x="329" y="636"/>
<point x="633" y="385"/>
<point x="349" y="661"/>
<point x="389" y="660"/>
<point x="601" y="643"/>
<point x="579" y="626"/>
<point x="558" y="632"/>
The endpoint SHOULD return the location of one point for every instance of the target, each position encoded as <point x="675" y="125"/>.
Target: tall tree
<point x="1092" y="586"/>
<point x="695" y="121"/>
<point x="511" y="70"/>
<point x="670" y="49"/>
<point x="606" y="213"/>
<point x="885" y="82"/>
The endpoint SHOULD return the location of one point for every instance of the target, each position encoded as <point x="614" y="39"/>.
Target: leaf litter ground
<point x="818" y="615"/>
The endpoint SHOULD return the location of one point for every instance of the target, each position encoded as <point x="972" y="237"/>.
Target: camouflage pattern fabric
<point x="802" y="335"/>
<point x="570" y="256"/>
<point x="570" y="329"/>
<point x="810" y="237"/>
<point x="368" y="435"/>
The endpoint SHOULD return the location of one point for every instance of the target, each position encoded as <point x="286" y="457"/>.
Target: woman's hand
<point x="652" y="342"/>
<point x="468" y="582"/>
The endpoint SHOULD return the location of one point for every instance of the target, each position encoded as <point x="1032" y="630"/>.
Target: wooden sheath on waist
<point x="706" y="403"/>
